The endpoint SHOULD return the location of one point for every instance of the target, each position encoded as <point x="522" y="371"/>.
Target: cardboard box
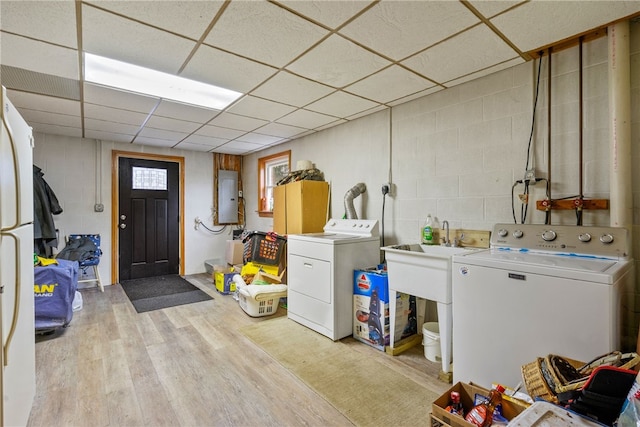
<point x="371" y="295"/>
<point x="252" y="268"/>
<point x="371" y="307"/>
<point x="510" y="408"/>
<point x="223" y="279"/>
<point x="235" y="249"/>
<point x="406" y="319"/>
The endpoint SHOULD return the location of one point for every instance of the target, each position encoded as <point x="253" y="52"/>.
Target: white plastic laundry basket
<point x="431" y="341"/>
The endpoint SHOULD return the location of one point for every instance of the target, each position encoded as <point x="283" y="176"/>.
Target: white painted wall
<point x="70" y="169"/>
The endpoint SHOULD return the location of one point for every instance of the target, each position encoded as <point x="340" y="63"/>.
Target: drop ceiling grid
<point x="302" y="66"/>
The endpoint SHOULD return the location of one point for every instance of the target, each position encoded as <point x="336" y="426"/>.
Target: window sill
<point x="265" y="214"/>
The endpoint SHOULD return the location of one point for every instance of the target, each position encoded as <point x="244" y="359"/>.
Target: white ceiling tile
<point x="263" y="31"/>
<point x="330" y="125"/>
<point x="229" y="150"/>
<point x="205" y="140"/>
<point x="219" y="132"/>
<point x="57" y="130"/>
<point x="257" y="138"/>
<point x="389" y="84"/>
<point x="241" y="145"/>
<point x="167" y="123"/>
<point x="367" y="112"/>
<point x="416" y="95"/>
<point x="38" y="56"/>
<point x="223" y="69"/>
<point x="235" y="121"/>
<point x="192" y="147"/>
<point x="189" y="18"/>
<point x="149" y="132"/>
<point x="100" y="95"/>
<point x="475" y="49"/>
<point x="113" y="114"/>
<point x="489" y="9"/>
<point x="503" y="66"/>
<point x="398" y="29"/>
<point x="281" y="130"/>
<point x="156" y="142"/>
<point x="260" y="108"/>
<point x="330" y="13"/>
<point x="118" y="38"/>
<point x="110" y="127"/>
<point x="107" y="136"/>
<point x="293" y="90"/>
<point x="49" y="118"/>
<point x="306" y="119"/>
<point x="551" y="21"/>
<point x="338" y="62"/>
<point x="341" y="104"/>
<point x="50" y="21"/>
<point x="44" y="103"/>
<point x="185" y="112"/>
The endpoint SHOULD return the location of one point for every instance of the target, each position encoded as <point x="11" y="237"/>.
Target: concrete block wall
<point x="457" y="153"/>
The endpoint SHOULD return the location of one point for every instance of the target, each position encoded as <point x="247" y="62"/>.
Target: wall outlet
<point x="240" y="194"/>
<point x="98" y="207"/>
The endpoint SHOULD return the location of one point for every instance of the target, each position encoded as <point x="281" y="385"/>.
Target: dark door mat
<point x="155" y="293"/>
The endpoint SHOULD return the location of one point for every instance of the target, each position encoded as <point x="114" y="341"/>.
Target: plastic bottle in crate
<point x="455" y="405"/>
<point x="481" y="415"/>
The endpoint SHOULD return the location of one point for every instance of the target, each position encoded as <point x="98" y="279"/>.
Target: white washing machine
<point x="538" y="290"/>
<point x="320" y="273"/>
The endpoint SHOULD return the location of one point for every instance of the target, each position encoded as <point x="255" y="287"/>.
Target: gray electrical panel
<point x="227" y="197"/>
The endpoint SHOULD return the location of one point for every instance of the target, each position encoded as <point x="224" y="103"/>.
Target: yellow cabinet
<point x="300" y="207"/>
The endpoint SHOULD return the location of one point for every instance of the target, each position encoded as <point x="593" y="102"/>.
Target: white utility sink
<point x="424" y="271"/>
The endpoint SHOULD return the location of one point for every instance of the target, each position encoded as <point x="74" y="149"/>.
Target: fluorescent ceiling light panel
<point x="133" y="78"/>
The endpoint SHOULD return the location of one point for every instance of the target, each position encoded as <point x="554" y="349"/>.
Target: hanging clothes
<point x="45" y="205"/>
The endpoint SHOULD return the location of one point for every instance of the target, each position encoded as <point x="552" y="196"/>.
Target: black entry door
<point x="149" y="218"/>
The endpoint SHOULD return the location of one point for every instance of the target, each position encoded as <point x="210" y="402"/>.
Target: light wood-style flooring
<point x="182" y="366"/>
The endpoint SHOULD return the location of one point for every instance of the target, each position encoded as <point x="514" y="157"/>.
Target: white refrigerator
<point x="17" y="376"/>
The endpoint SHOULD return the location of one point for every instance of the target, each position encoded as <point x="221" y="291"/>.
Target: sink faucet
<point x="445" y="225"/>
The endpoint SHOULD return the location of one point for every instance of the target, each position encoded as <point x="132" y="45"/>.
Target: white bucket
<point x="431" y="341"/>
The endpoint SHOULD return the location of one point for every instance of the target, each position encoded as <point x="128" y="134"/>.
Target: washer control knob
<point x="606" y="238"/>
<point x="549" y="236"/>
<point x="518" y="234"/>
<point x="502" y="232"/>
<point x="584" y="237"/>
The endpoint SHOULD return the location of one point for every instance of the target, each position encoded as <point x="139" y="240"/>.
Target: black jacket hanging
<point x="45" y="205"/>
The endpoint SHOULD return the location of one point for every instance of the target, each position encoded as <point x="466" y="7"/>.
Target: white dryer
<point x="320" y="273"/>
<point x="539" y="290"/>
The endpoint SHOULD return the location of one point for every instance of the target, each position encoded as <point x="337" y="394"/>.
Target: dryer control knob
<point x="606" y="238"/>
<point x="502" y="232"/>
<point x="549" y="236"/>
<point x="518" y="234"/>
<point x="584" y="237"/>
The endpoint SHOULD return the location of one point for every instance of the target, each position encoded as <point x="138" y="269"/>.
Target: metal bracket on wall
<point x="572" y="204"/>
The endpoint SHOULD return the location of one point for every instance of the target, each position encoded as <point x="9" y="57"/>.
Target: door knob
<point x="123" y="226"/>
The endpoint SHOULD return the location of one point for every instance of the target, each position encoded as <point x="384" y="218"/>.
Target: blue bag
<point x="54" y="290"/>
